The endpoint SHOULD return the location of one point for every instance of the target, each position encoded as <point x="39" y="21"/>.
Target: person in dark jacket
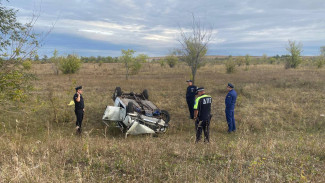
<point x="230" y="102"/>
<point x="79" y="107"/>
<point x="190" y="97"/>
<point x="202" y="115"/>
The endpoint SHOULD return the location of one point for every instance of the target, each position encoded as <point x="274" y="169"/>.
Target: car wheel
<point x="163" y="129"/>
<point x="117" y="93"/>
<point x="165" y="116"/>
<point x="145" y="94"/>
<point x="130" y="108"/>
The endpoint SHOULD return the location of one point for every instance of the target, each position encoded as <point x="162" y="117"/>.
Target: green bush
<point x="135" y="67"/>
<point x="320" y="62"/>
<point x="162" y="63"/>
<point x="248" y="60"/>
<point x="272" y="60"/>
<point x="240" y="61"/>
<point x="27" y="65"/>
<point x="171" y="60"/>
<point x="70" y="64"/>
<point x="100" y="63"/>
<point x="230" y="65"/>
<point x="293" y="62"/>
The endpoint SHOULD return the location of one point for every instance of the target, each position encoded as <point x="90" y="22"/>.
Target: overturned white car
<point x="135" y="114"/>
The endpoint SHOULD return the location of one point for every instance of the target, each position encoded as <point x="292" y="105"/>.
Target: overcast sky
<point x="104" y="27"/>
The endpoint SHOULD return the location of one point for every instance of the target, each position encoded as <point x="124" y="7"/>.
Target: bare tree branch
<point x="194" y="44"/>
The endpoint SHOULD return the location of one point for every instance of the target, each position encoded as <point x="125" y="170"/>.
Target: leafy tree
<point x="194" y="45"/>
<point x="294" y="58"/>
<point x="17" y="42"/>
<point x="127" y="58"/>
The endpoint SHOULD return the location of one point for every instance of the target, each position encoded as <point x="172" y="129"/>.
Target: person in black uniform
<point x="79" y="107"/>
<point x="202" y="116"/>
<point x="190" y="97"/>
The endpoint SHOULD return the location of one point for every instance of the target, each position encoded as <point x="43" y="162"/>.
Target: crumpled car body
<point x="136" y="114"/>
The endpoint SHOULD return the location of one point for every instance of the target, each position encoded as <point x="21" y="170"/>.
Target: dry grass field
<point x="280" y="128"/>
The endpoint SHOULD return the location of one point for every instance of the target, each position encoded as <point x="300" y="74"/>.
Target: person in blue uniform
<point x="230" y="102"/>
<point x="79" y="107"/>
<point x="190" y="97"/>
<point x="202" y="115"/>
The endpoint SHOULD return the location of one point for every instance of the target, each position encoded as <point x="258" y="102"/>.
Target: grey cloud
<point x="153" y="25"/>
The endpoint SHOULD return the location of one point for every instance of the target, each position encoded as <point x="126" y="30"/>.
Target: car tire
<point x="130" y="107"/>
<point x="165" y="116"/>
<point x="117" y="93"/>
<point x="163" y="129"/>
<point x="145" y="94"/>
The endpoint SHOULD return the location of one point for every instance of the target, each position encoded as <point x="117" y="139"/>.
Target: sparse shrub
<point x="272" y="60"/>
<point x="322" y="51"/>
<point x="321" y="59"/>
<point x="247" y="61"/>
<point x="230" y="65"/>
<point x="100" y="63"/>
<point x="137" y="62"/>
<point x="162" y="63"/>
<point x="27" y="65"/>
<point x="320" y="62"/>
<point x="171" y="60"/>
<point x="60" y="112"/>
<point x="240" y="61"/>
<point x="114" y="70"/>
<point x="55" y="60"/>
<point x="70" y="64"/>
<point x="135" y="67"/>
<point x="264" y="58"/>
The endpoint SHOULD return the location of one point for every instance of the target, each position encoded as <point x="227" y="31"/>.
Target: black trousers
<point x="190" y="104"/>
<point x="202" y="126"/>
<point x="80" y="116"/>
